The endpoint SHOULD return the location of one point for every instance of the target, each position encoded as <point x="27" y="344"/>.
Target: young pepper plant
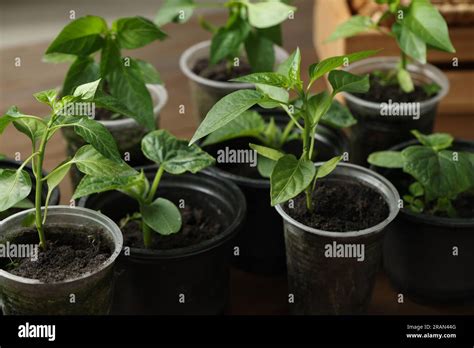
<point x="251" y="124"/>
<point x="439" y="174"/>
<point x="415" y="28"/>
<point x="124" y="78"/>
<point x="255" y="26"/>
<point x="290" y="175"/>
<point x="158" y="215"/>
<point x="100" y="157"/>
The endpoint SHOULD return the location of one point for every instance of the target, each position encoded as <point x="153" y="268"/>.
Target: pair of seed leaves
<point x="252" y="25"/>
<point x="441" y="173"/>
<point x="124" y="78"/>
<point x="416" y="28"/>
<point x="289" y="176"/>
<point x="100" y="160"/>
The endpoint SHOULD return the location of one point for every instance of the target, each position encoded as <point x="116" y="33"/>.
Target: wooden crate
<point x="328" y="14"/>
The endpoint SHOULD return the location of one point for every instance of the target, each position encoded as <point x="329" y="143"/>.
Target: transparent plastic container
<point x="323" y="285"/>
<point x="92" y="291"/>
<point x="205" y="92"/>
<point x="374" y="132"/>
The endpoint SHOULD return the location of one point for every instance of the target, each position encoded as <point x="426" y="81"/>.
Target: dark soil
<point x="70" y="253"/>
<point x="220" y="72"/>
<point x="340" y="207"/>
<point x="464" y="205"/>
<point x="198" y="226"/>
<point x="380" y="93"/>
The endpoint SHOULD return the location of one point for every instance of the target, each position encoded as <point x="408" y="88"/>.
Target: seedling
<point x="439" y="174"/>
<point x="251" y="124"/>
<point x="290" y="175"/>
<point x="255" y="26"/>
<point x="159" y="215"/>
<point x="125" y="78"/>
<point x="415" y="28"/>
<point x="100" y="157"/>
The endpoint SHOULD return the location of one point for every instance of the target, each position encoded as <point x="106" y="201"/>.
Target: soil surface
<point x="198" y="226"/>
<point x="220" y="72"/>
<point x="70" y="253"/>
<point x="340" y="207"/>
<point x="380" y="93"/>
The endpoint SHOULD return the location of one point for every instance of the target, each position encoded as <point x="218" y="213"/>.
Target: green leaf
<point x="259" y="52"/>
<point x="83" y="70"/>
<point x="326" y="168"/>
<point x="438" y="172"/>
<point x="289" y="178"/>
<point x="175" y="11"/>
<point x="98" y="136"/>
<point x="87" y="90"/>
<point x="273" y="34"/>
<point x="386" y="159"/>
<point x="81" y="37"/>
<point x="173" y="154"/>
<point x="47" y="97"/>
<point x="267" y="78"/>
<point x="265" y="166"/>
<point x="318" y="70"/>
<point x="24" y="204"/>
<point x="412" y="44"/>
<point x="111" y="58"/>
<point x="354" y="26"/>
<point x="248" y="124"/>
<point x="343" y="81"/>
<point x="135" y="32"/>
<point x="405" y="81"/>
<point x="431" y="88"/>
<point x="13" y="114"/>
<point x="226" y="110"/>
<point x="268" y="14"/>
<point x="91" y="162"/>
<point x="227" y="41"/>
<point x="59" y="58"/>
<point x="29" y="220"/>
<point x="54" y="178"/>
<point x="149" y="72"/>
<point x="113" y="104"/>
<point x="416" y="189"/>
<point x="15" y="186"/>
<point x="438" y="141"/>
<point x="291" y="69"/>
<point x="32" y="128"/>
<point x="317" y="106"/>
<point x="135" y="186"/>
<point x="267" y="152"/>
<point x="128" y="86"/>
<point x="338" y="116"/>
<point x="279" y="94"/>
<point x="425" y="21"/>
<point x="162" y="216"/>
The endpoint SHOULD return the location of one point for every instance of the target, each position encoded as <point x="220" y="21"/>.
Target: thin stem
<point x="146" y="230"/>
<point x="154" y="186"/>
<point x="403" y="60"/>
<point x="39" y="189"/>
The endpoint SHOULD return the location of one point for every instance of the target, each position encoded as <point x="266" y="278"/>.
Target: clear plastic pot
<point x="93" y="291"/>
<point x="126" y="132"/>
<point x="323" y="285"/>
<point x="152" y="281"/>
<point x="205" y="92"/>
<point x="419" y="254"/>
<point x="374" y="132"/>
<point x="261" y="242"/>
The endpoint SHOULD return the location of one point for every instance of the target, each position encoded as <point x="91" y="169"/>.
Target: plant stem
<point x="307" y="149"/>
<point x="39" y="189"/>
<point x="146" y="235"/>
<point x="403" y="60"/>
<point x="154" y="186"/>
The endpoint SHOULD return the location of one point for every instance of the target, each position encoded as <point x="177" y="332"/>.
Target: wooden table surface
<point x="251" y="294"/>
